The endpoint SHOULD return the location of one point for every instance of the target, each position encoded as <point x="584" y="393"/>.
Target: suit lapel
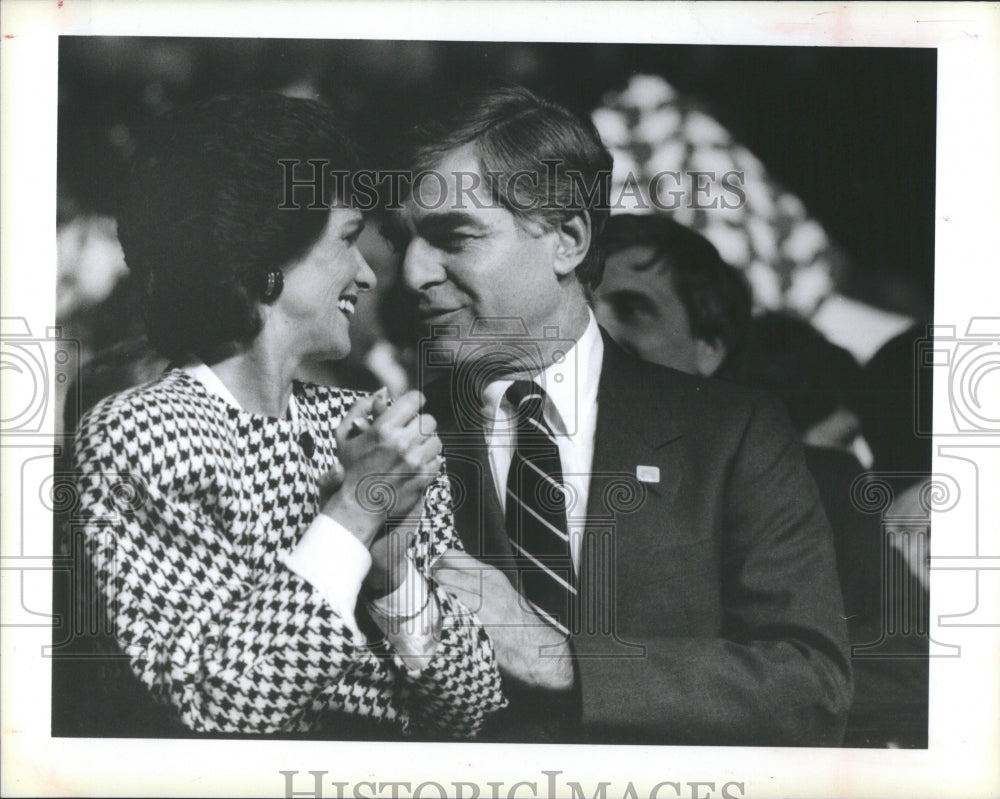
<point x="635" y="428"/>
<point x="625" y="515"/>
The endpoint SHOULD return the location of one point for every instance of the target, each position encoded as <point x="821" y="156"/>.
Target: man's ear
<point x="708" y="356"/>
<point x="572" y="243"/>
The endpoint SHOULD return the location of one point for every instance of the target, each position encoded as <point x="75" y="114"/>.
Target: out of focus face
<point x="641" y="311"/>
<point x="321" y="291"/>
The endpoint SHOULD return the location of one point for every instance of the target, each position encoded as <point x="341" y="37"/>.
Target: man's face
<point x="470" y="259"/>
<point x="642" y="312"/>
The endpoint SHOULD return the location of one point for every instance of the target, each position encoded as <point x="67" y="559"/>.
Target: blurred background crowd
<point x="829" y="260"/>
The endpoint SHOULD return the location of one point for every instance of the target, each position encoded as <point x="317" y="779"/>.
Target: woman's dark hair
<point x="539" y="160"/>
<point x="207" y="211"/>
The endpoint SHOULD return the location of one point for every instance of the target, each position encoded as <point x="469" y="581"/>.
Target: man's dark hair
<point x="514" y="132"/>
<point x="788" y="357"/>
<point x="715" y="295"/>
<point x="201" y="222"/>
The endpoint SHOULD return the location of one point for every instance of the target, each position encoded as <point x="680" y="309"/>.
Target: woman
<point x="234" y="513"/>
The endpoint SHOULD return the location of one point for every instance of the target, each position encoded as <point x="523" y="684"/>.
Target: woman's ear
<point x="572" y="243"/>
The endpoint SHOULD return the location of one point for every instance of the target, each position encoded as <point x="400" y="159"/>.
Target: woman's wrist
<point x="362" y="524"/>
<point x="334" y="561"/>
<point x="381" y="583"/>
<point x="410" y="600"/>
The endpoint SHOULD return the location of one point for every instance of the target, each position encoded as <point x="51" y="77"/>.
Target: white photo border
<point x="962" y="758"/>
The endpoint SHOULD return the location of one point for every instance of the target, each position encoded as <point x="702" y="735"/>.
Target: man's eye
<point x="625" y="310"/>
<point x="632" y="308"/>
<point x="452" y="242"/>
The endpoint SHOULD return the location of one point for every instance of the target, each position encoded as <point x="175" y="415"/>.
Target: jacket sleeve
<point x="776" y="672"/>
<point x="237" y="650"/>
<point x="460" y="686"/>
<point x="229" y="652"/>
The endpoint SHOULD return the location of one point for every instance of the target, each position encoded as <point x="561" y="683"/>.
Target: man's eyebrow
<point x="448" y="221"/>
<point x="655" y="258"/>
<point x="636" y="298"/>
<point x="354" y="226"/>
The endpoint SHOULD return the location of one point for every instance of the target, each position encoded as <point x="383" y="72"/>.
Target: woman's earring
<point x="272" y="288"/>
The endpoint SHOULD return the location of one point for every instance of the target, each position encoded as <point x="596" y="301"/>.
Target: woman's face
<point x="321" y="290"/>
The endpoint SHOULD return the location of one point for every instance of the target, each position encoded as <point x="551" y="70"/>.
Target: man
<point x="678" y="585"/>
<point x="667" y="295"/>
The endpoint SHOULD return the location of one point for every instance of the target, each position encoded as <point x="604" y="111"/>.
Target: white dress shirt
<point x="570" y="386"/>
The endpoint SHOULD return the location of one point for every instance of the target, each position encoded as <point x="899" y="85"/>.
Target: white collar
<point x="203" y="373"/>
<point x="570" y="384"/>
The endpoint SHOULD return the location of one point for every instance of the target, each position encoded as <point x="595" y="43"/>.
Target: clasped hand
<point x="528" y="649"/>
<point x="389" y="454"/>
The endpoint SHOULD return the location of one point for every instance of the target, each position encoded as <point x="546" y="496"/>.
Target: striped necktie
<point x="536" y="509"/>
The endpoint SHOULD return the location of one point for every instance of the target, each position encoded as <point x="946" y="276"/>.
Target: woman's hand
<point x="387" y="464"/>
<point x="388" y="551"/>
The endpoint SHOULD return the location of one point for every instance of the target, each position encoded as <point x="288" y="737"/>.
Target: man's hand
<point x="528" y="649"/>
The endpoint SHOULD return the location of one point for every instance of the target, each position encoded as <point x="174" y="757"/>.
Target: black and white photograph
<point x="433" y="394"/>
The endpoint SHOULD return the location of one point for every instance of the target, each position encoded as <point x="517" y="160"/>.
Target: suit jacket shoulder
<point x="671" y="402"/>
<point x="719" y="564"/>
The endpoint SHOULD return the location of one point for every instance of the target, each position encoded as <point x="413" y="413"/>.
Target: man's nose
<point x="422" y="266"/>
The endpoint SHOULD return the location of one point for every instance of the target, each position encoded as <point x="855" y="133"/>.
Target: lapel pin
<point x="648" y="474"/>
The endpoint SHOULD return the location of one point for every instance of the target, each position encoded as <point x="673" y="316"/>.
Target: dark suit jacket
<point x="709" y="606"/>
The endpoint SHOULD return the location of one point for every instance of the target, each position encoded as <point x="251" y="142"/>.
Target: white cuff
<point x="410" y="618"/>
<point x="335" y="562"/>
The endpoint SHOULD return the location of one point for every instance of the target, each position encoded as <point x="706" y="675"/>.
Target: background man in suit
<point x="667" y="296"/>
<point x="686" y="592"/>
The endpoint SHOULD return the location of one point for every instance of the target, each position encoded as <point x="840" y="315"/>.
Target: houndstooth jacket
<point x="189" y="504"/>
